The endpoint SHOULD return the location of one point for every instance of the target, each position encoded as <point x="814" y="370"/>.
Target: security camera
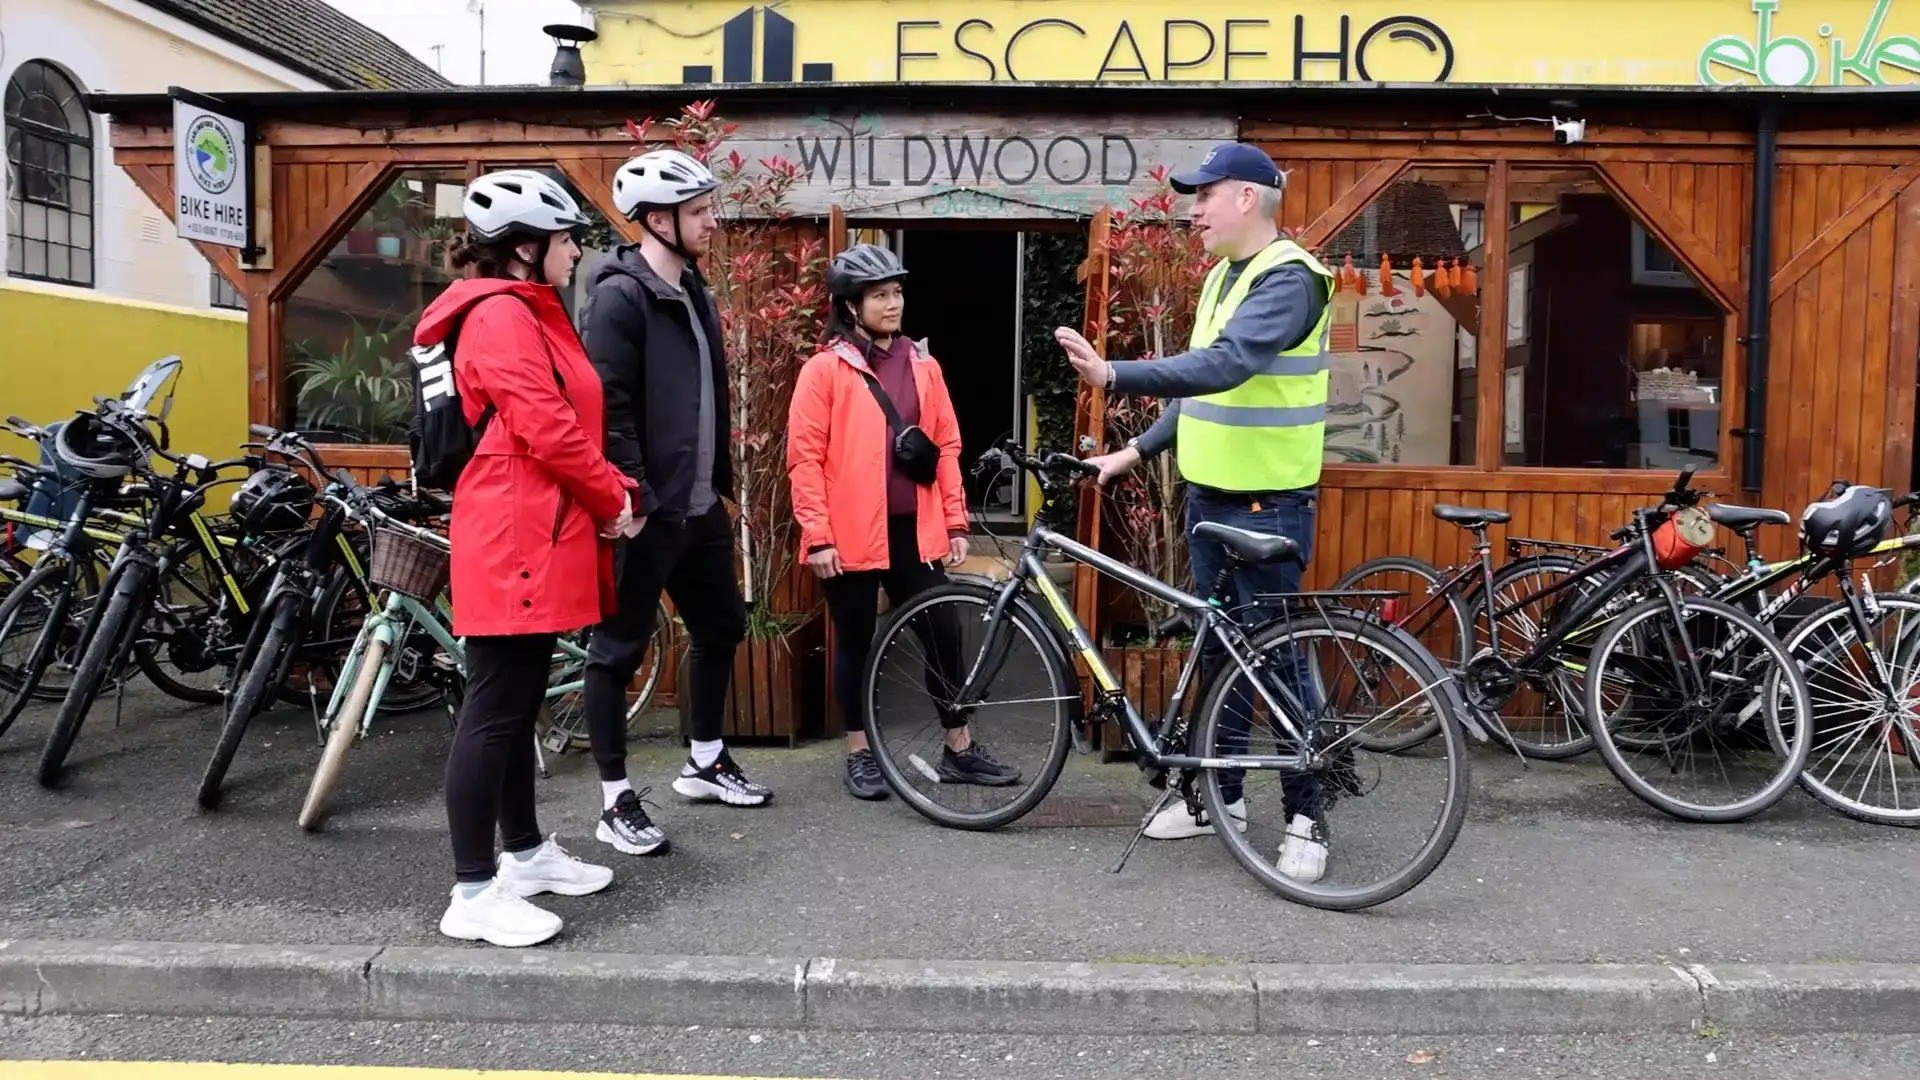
<point x="1569" y="131"/>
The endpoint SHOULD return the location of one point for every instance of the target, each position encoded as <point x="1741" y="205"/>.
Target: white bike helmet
<point x="519" y="200"/>
<point x="659" y="180"/>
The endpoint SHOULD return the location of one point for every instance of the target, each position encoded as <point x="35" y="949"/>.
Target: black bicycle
<point x="1306" y="676"/>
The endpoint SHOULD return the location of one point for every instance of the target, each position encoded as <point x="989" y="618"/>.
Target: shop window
<point x="348" y="326"/>
<point x="1613" y="352"/>
<point x="597" y="242"/>
<point x="49" y="177"/>
<point x="1406" y="323"/>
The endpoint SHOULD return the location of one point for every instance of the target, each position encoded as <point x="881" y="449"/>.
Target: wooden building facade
<point x="1726" y="277"/>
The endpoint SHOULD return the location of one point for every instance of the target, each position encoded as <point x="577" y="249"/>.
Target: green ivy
<point x="1052" y="298"/>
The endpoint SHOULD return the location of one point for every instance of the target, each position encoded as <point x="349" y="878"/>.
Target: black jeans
<point x="490" y="768"/>
<point x="852" y="602"/>
<point x="693" y="561"/>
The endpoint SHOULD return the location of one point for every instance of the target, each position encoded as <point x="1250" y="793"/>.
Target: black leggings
<point x="853" y="600"/>
<point x="490" y="769"/>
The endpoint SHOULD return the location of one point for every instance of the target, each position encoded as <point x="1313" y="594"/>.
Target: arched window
<point x="50" y="177"/>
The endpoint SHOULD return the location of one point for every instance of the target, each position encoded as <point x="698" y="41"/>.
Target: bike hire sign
<point x="209" y="176"/>
<point x="1599" y="42"/>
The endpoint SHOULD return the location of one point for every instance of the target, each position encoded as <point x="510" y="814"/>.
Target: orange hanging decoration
<point x="1442" y="287"/>
<point x="1348" y="277"/>
<point x="1467" y="282"/>
<point x="1386" y="276"/>
<point x="1418" y="286"/>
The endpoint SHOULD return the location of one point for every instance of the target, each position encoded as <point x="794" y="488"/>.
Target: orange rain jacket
<point x="839" y="450"/>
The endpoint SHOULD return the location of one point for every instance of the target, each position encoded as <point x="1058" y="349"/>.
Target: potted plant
<point x="1157" y="268"/>
<point x="768" y="273"/>
<point x="357" y="391"/>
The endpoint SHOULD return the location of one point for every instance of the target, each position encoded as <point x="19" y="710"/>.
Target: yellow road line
<point x="167" y="1070"/>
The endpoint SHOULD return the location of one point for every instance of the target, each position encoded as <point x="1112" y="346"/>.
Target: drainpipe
<point x="1759" y="293"/>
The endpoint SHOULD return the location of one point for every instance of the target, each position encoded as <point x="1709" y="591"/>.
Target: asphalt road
<point x="1556" y="864"/>
<point x="600" y="1049"/>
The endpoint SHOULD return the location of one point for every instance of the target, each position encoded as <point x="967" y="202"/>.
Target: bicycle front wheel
<point x="35" y="630"/>
<point x="917" y="664"/>
<point x="345" y="729"/>
<point x="1698" y="709"/>
<point x="1864" y="758"/>
<point x="102" y="660"/>
<point x="1382" y="821"/>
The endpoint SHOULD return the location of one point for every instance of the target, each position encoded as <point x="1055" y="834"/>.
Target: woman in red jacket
<point x="533" y="512"/>
<point x="866" y="520"/>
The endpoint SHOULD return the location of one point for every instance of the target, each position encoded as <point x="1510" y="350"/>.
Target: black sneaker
<point x="721" y="781"/>
<point x="975" y="765"/>
<point x="863" y="777"/>
<point x="628" y="828"/>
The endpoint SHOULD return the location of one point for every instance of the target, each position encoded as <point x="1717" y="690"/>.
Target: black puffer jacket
<point x="639" y="337"/>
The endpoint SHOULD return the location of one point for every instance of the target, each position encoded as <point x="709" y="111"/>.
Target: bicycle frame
<point x="1209" y="619"/>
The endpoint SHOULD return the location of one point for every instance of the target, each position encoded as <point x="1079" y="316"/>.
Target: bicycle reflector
<point x="1390" y="611"/>
<point x="1682" y="536"/>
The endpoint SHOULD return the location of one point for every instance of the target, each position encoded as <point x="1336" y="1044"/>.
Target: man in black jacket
<point x="652" y="331"/>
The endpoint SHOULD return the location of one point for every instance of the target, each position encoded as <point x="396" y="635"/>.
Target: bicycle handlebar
<point x="1010" y="454"/>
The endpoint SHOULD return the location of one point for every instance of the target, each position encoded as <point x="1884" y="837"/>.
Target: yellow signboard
<point x="1616" y="42"/>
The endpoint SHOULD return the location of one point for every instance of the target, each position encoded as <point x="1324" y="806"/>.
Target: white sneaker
<point x="1303" y="855"/>
<point x="552" y="870"/>
<point x="1175" y="823"/>
<point x="498" y="917"/>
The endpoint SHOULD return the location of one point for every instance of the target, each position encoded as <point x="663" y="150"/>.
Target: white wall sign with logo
<point x="210" y="160"/>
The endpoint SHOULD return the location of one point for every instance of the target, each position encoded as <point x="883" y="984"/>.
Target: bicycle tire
<point x="1463" y="631"/>
<point x="1568" y="696"/>
<point x="146" y="653"/>
<point x="1062" y="685"/>
<point x="1809" y="779"/>
<point x="19" y="689"/>
<point x="1452" y="734"/>
<point x="346" y="729"/>
<point x="105" y="651"/>
<point x="261" y="675"/>
<point x="1783" y="667"/>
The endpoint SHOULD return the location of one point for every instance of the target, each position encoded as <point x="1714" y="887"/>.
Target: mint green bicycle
<point x="410" y="566"/>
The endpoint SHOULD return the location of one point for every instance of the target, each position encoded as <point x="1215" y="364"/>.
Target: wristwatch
<point x="1110" y="375"/>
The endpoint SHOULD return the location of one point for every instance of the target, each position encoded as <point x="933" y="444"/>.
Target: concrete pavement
<point x="1565" y="901"/>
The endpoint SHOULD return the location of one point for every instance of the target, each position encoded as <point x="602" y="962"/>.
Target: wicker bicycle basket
<point x="408" y="564"/>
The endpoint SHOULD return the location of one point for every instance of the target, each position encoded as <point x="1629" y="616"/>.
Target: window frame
<point x="19" y="199"/>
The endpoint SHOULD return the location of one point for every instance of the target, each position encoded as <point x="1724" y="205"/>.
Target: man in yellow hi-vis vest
<point x="1248" y="416"/>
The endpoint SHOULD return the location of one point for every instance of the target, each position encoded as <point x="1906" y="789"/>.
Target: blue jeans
<point x="1285" y="513"/>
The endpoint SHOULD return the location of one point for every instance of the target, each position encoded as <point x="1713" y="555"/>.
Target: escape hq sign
<point x="1616" y="42"/>
<point x="209" y="176"/>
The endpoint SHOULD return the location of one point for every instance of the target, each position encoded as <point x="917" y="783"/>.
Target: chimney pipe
<point x="568" y="69"/>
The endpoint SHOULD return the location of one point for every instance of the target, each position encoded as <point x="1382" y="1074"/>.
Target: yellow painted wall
<point x="1631" y="42"/>
<point x="59" y="347"/>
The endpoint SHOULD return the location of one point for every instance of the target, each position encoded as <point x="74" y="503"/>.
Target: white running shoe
<point x="498" y="917"/>
<point x="551" y="870"/>
<point x="1175" y="823"/>
<point x="1303" y="855"/>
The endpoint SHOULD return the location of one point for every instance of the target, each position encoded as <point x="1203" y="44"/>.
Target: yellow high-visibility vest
<point x="1268" y="433"/>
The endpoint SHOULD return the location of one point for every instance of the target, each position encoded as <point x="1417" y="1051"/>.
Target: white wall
<point x="123" y="46"/>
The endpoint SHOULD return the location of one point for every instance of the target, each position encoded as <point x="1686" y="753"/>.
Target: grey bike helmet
<point x="860" y="266"/>
<point x="98" y="448"/>
<point x="1849" y="524"/>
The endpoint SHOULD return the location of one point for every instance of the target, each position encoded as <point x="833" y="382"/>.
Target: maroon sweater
<point x="894" y="368"/>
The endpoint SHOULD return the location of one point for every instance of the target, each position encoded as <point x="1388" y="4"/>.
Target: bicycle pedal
<point x="555" y="741"/>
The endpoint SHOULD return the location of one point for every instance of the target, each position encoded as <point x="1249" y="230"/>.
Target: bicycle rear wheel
<point x="1354" y="674"/>
<point x="918" y="659"/>
<point x="1670" y="742"/>
<point x="1864" y="758"/>
<point x="1438" y="620"/>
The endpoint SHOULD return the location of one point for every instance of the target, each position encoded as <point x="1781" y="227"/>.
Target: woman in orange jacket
<point x="873" y="453"/>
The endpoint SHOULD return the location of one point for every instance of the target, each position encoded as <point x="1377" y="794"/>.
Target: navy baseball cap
<point x="1230" y="161"/>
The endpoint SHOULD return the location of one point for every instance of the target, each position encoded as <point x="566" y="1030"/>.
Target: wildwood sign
<point x="900" y="166"/>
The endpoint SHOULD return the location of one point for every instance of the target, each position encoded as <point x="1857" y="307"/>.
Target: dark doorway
<point x="963" y="300"/>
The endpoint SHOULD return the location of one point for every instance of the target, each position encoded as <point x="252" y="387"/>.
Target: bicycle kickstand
<point x="1172" y="792"/>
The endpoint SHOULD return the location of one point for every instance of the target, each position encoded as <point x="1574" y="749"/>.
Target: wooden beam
<point x="1342" y="210"/>
<point x="836" y="230"/>
<point x="1697" y="255"/>
<point x="583" y="176"/>
<point x="147" y="179"/>
<point x="1903" y="354"/>
<point x="1490" y="367"/>
<point x="1090" y="414"/>
<point x="299" y="255"/>
<point x="1849" y="222"/>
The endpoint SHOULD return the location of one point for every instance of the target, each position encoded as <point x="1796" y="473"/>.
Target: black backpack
<point x="441" y="440"/>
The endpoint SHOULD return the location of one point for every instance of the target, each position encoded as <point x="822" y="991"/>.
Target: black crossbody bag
<point x="913" y="450"/>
